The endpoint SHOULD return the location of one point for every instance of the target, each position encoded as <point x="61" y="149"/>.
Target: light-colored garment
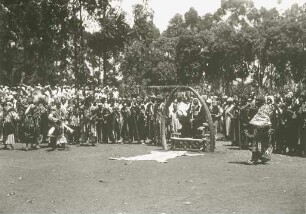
<point x="75" y="120"/>
<point x="10" y="117"/>
<point x="61" y="139"/>
<point x="10" y="140"/>
<point x="262" y="118"/>
<point x="182" y="109"/>
<point x="228" y="118"/>
<point x="175" y="123"/>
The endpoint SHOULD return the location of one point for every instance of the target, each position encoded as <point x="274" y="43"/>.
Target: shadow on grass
<point x="58" y="149"/>
<point x="239" y="162"/>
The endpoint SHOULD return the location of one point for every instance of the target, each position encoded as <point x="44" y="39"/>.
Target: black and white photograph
<point x="152" y="106"/>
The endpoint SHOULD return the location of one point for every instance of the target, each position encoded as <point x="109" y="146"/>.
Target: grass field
<point x="84" y="180"/>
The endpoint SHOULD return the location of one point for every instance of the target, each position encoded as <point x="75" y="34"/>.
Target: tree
<point x="137" y="65"/>
<point x="110" y="41"/>
<point x="176" y="27"/>
<point x="36" y="40"/>
<point x="191" y="18"/>
<point x="143" y="28"/>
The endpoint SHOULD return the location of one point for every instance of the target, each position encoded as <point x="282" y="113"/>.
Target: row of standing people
<point x="129" y="120"/>
<point x="92" y="122"/>
<point x="100" y="120"/>
<point x="288" y="122"/>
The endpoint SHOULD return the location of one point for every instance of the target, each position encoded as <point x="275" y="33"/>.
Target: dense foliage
<point x="47" y="42"/>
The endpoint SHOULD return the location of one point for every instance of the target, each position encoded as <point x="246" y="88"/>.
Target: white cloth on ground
<point x="159" y="156"/>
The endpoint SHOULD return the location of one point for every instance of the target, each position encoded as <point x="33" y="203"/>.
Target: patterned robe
<point x="33" y="121"/>
<point x="262" y="144"/>
<point x="10" y="119"/>
<point x="58" y="118"/>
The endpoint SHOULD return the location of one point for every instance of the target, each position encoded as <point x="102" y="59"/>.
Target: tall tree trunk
<point x="82" y="39"/>
<point x="2" y="46"/>
<point x="261" y="76"/>
<point x="75" y="50"/>
<point x="24" y="67"/>
<point x="100" y="74"/>
<point x="104" y="58"/>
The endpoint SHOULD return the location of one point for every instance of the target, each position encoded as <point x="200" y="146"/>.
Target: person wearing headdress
<point x="57" y="132"/>
<point x="10" y="117"/>
<point x="261" y="146"/>
<point x="37" y="116"/>
<point x="31" y="124"/>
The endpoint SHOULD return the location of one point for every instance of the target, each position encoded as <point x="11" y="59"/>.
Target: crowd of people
<point x="63" y="114"/>
<point x="279" y="120"/>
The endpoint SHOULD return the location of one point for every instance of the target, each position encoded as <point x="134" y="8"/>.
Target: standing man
<point x="150" y="119"/>
<point x="99" y="122"/>
<point x="158" y="112"/>
<point x="10" y="119"/>
<point x="107" y="126"/>
<point x="117" y="124"/>
<point x="229" y="114"/>
<point x="125" y="113"/>
<point x="291" y="125"/>
<point x="216" y="113"/>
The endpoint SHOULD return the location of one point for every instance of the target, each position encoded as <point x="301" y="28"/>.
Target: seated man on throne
<point x="182" y="113"/>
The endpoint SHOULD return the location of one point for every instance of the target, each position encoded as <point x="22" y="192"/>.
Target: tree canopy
<point x="48" y="42"/>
